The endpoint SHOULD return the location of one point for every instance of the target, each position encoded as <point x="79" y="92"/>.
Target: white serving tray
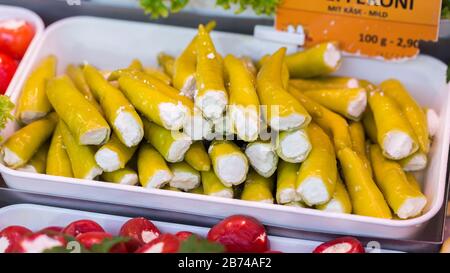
<point x="36" y="217"/>
<point x="10" y="12"/>
<point x="110" y="44"/>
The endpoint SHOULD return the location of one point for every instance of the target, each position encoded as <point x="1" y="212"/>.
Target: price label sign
<point x="391" y="29"/>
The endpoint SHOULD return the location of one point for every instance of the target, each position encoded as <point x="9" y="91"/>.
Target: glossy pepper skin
<point x="212" y="185"/>
<point x="25" y="142"/>
<point x="114" y="104"/>
<point x="341" y="245"/>
<point x="82" y="157"/>
<point x="125" y="176"/>
<point x="163" y="140"/>
<point x="313" y="61"/>
<point x="394" y="184"/>
<point x="149" y="101"/>
<point x="280" y="104"/>
<point x="240" y="234"/>
<point x="198" y="157"/>
<point x="81" y="117"/>
<point x="286" y="179"/>
<point x="411" y="109"/>
<point x="340" y="202"/>
<point x="184" y="67"/>
<point x="33" y="102"/>
<point x="75" y="73"/>
<point x="285" y="77"/>
<point x="258" y="188"/>
<point x="343" y="101"/>
<point x="331" y="122"/>
<point x="325" y="83"/>
<point x="58" y="162"/>
<point x="167" y="62"/>
<point x="244" y="102"/>
<point x="38" y="162"/>
<point x="367" y="199"/>
<point x="152" y="165"/>
<point x="357" y="134"/>
<point x="320" y="164"/>
<point x="390" y="119"/>
<point x="212" y="96"/>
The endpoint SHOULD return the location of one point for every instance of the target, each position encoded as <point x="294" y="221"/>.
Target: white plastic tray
<point x="36" y="217"/>
<point x="110" y="44"/>
<point x="10" y="12"/>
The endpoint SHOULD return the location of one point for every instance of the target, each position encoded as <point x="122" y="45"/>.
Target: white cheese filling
<point x="108" y="160"/>
<point x="178" y="149"/>
<point x="313" y="191"/>
<point x="353" y="83"/>
<point x="28" y="117"/>
<point x="129" y="179"/>
<point x="189" y="87"/>
<point x="39" y="244"/>
<point x="334" y="206"/>
<point x="287" y="123"/>
<point x="156" y="248"/>
<point x="433" y="122"/>
<point x="94" y="137"/>
<point x="418" y="162"/>
<point x="185" y="180"/>
<point x="412" y="207"/>
<point x="28" y="169"/>
<point x="173" y="116"/>
<point x="245" y="122"/>
<point x="4" y="244"/>
<point x="294" y="147"/>
<point x="11" y="158"/>
<point x="159" y="180"/>
<point x="227" y="193"/>
<point x="286" y="196"/>
<point x="398" y="145"/>
<point x="130" y="130"/>
<point x="358" y="105"/>
<point x="93" y="173"/>
<point x="332" y="56"/>
<point x="148" y="236"/>
<point x="339" y="248"/>
<point x="197" y="127"/>
<point x="263" y="158"/>
<point x="231" y="169"/>
<point x="212" y="104"/>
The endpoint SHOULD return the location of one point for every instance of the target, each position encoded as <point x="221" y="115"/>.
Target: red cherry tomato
<point x="90" y="239"/>
<point x="141" y="231"/>
<point x="8" y="67"/>
<point x="15" y="37"/>
<point x="184" y="235"/>
<point x="38" y="243"/>
<point x="82" y="226"/>
<point x="52" y="230"/>
<point x="10" y="236"/>
<point x="341" y="245"/>
<point x="240" y="234"/>
<point x="166" y="243"/>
